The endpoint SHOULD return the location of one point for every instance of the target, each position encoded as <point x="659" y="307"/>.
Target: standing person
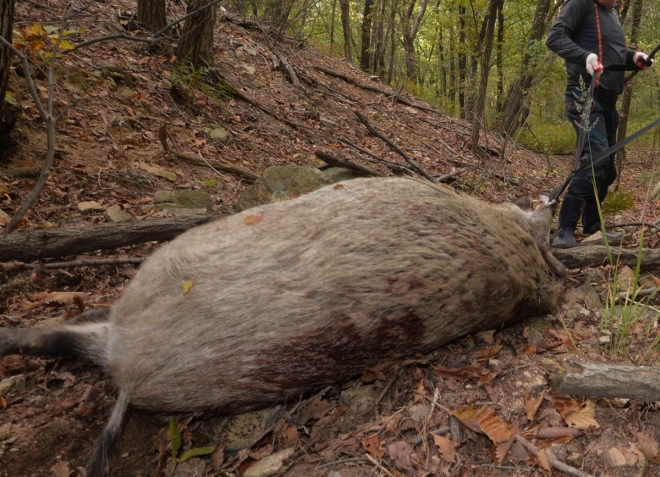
<point x="588" y="35"/>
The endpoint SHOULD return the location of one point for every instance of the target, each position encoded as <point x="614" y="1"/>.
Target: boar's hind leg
<point x="87" y="340"/>
<point x="95" y="315"/>
<point x="99" y="458"/>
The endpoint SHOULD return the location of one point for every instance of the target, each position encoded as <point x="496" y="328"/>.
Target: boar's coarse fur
<point x="286" y="298"/>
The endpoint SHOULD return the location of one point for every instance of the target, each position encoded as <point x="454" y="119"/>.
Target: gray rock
<point x="243" y="429"/>
<point x="586" y="294"/>
<point x="279" y="183"/>
<point x="179" y="212"/>
<point x="338" y="174"/>
<point x="5" y="431"/>
<point x="273" y="465"/>
<point x="90" y="206"/>
<point x="191" y="468"/>
<point x="13" y="383"/>
<point x="359" y="398"/>
<point x="186" y="198"/>
<point x="115" y="214"/>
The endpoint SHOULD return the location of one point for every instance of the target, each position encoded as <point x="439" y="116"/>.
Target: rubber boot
<point x="571" y="209"/>
<point x="590" y="218"/>
<point x="591" y="224"/>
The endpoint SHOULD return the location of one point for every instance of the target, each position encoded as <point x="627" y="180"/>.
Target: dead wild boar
<point x="289" y="297"/>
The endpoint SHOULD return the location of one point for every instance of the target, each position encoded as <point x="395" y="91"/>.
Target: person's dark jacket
<point x="576" y="34"/>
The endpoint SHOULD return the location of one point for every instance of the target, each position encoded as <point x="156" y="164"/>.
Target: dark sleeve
<point x="560" y="37"/>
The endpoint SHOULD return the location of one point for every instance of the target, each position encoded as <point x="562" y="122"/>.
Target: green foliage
<point x="209" y="183"/>
<point x="175" y="443"/>
<point x="618" y="202"/>
<point x="548" y="135"/>
<point x="36" y="38"/>
<point x="448" y="33"/>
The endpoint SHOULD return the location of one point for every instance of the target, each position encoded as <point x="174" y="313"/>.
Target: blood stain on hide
<point x="341" y="349"/>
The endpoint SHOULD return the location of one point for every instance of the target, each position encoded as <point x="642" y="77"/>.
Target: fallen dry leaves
<point x="446" y="447"/>
<point x="649" y="447"/>
<point x="584" y="418"/>
<point x="400" y="453"/>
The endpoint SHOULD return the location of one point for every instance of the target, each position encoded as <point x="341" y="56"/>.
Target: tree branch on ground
<point x="596" y="255"/>
<point x="74" y="263"/>
<point x="369" y="87"/>
<point x="35" y="244"/>
<point x="239" y="171"/>
<point x="565" y="468"/>
<point x="347" y="164"/>
<point x="393" y="166"/>
<point x="393" y="145"/>
<point x="597" y="381"/>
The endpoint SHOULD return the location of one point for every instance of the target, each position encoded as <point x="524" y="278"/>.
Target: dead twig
<point x="395" y="96"/>
<point x="344" y="461"/>
<point x="74" y="263"/>
<point x="47" y="116"/>
<point x="378" y="465"/>
<point x="239" y="171"/>
<point x="449" y="175"/>
<point x="393" y="166"/>
<point x="289" y="70"/>
<point x="435" y="432"/>
<point x="345" y="163"/>
<point x="393" y="145"/>
<point x="560" y="466"/>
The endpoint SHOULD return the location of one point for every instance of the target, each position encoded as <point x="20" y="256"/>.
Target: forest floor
<point x="108" y="151"/>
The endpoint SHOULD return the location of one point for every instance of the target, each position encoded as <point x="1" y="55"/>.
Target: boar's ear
<point x="545" y="202"/>
<point x="525" y="203"/>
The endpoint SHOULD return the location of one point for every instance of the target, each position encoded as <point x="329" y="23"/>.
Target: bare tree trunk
<point x="480" y="104"/>
<point x="514" y="106"/>
<point x="346" y="25"/>
<point x="151" y="13"/>
<point x="8" y="113"/>
<point x="365" y="58"/>
<point x="379" y="40"/>
<point x="392" y="27"/>
<point x="196" y="43"/>
<point x="452" y="69"/>
<point x="462" y="63"/>
<point x="332" y="24"/>
<point x="627" y="93"/>
<point x="441" y="61"/>
<point x="499" y="60"/>
<point x="409" y="35"/>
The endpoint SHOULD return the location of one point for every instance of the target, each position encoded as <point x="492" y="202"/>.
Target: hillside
<point x="268" y="103"/>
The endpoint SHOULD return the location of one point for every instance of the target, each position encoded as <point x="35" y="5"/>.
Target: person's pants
<point x="601" y="134"/>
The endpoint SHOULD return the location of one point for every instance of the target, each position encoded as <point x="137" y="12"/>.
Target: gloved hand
<point x="641" y="60"/>
<point x="593" y="65"/>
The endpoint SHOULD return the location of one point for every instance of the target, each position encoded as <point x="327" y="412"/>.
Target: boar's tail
<point x="99" y="458"/>
<point x="86" y="336"/>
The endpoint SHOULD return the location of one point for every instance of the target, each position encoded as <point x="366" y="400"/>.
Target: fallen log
<point x="347" y="164"/>
<point x="36" y="244"/>
<point x="604" y="381"/>
<point x="596" y="255"/>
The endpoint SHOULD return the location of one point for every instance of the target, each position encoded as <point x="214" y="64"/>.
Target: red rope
<point x="600" y="41"/>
